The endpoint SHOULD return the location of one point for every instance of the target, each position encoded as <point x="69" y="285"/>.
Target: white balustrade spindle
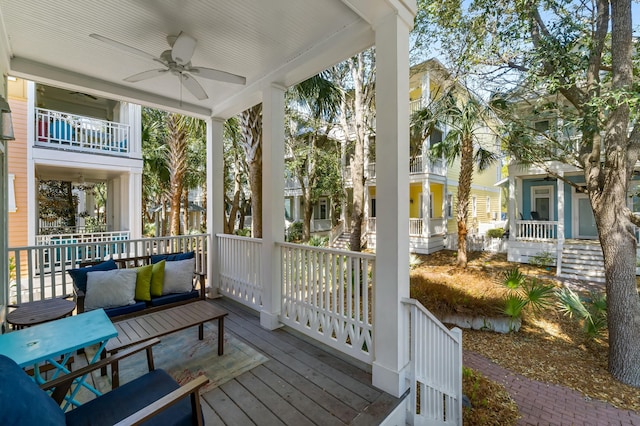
<point x="239" y="264"/>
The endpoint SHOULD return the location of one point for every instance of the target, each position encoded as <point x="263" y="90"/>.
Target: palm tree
<point x="314" y="104"/>
<point x="463" y="115"/>
<point x="251" y="128"/>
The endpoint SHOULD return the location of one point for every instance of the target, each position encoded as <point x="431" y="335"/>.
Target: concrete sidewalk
<point x="547" y="404"/>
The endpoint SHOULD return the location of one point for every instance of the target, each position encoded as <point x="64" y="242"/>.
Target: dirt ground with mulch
<point x="549" y="347"/>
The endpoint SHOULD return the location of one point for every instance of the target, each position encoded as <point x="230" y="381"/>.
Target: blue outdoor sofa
<point x="24" y="403"/>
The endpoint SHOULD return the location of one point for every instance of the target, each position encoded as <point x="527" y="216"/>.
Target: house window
<point x="541" y="202"/>
<point x="542" y="126"/>
<point x="373" y="208"/>
<point x="488" y="204"/>
<point x="431" y="205"/>
<point x="474" y="206"/>
<point x="12" y="194"/>
<point x="320" y="209"/>
<point x="449" y="206"/>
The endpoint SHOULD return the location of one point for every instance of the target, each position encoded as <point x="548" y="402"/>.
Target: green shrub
<point x="294" y="233"/>
<point x="591" y="312"/>
<point x="245" y="232"/>
<point x="495" y="233"/>
<point x="544" y="258"/>
<point x="318" y="241"/>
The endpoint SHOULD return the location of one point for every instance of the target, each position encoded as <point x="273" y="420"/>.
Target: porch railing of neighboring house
<point x="435" y="369"/>
<point x="371" y="225"/>
<point x="239" y="269"/>
<point x="328" y="294"/>
<point x="415" y="227"/>
<point x="416" y="105"/>
<point x="81" y="236"/>
<point x="536" y="230"/>
<point x="81" y="133"/>
<point x="42" y="270"/>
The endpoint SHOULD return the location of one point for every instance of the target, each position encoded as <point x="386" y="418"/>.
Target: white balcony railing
<point x="536" y="230"/>
<point x="415" y="105"/>
<point x="435" y="375"/>
<point x="239" y="269"/>
<point x="327" y="294"/>
<point x="80" y="133"/>
<point x="415" y="227"/>
<point x="41" y="270"/>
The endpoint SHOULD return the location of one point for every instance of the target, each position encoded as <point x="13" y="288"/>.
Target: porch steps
<point x="342" y="242"/>
<point x="582" y="261"/>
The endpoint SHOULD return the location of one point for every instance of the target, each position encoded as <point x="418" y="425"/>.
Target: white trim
<point x="575" y="216"/>
<point x="474" y="206"/>
<point x="534" y="197"/>
<point x="12" y="194"/>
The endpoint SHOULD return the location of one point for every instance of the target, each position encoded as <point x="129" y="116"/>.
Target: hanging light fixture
<point x="6" y="125"/>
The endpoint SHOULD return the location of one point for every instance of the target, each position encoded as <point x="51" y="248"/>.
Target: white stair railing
<point x="435" y="369"/>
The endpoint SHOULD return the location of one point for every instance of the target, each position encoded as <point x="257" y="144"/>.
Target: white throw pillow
<point x="178" y="276"/>
<point x="109" y="289"/>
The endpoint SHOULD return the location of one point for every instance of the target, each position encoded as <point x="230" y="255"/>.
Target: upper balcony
<point x="62" y="130"/>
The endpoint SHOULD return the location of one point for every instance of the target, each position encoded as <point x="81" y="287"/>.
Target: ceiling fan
<point x="177" y="61"/>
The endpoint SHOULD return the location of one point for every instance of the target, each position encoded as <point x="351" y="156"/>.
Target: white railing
<point x="81" y="237"/>
<point x="335" y="233"/>
<point x="437" y="226"/>
<point x="436" y="167"/>
<point x="69" y="131"/>
<point x="415" y="105"/>
<point x="239" y="269"/>
<point x="41" y="270"/>
<point x="327" y="294"/>
<point x="371" y="225"/>
<point x="415" y="226"/>
<point x="415" y="165"/>
<point x="49" y="228"/>
<point x="435" y="369"/>
<point x="536" y="230"/>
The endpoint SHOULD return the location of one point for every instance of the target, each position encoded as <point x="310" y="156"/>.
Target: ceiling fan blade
<point x="124" y="47"/>
<point x="193" y="86"/>
<point x="145" y="75"/>
<point x="183" y="48"/>
<point x="212" y="74"/>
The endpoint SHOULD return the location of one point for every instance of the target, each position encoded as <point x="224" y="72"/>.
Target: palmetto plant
<point x="591" y="312"/>
<point x="522" y="293"/>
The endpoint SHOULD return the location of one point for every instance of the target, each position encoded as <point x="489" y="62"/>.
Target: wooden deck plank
<point x="310" y="407"/>
<point x="326" y="378"/>
<point x="251" y="406"/>
<point x="226" y="408"/>
<point x="278" y="405"/>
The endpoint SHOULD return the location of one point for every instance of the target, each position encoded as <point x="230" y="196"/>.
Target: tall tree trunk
<point x="608" y="198"/>
<point x="185" y="212"/>
<point x="464" y="190"/>
<point x="177" y="165"/>
<point x="307" y="213"/>
<point x="251" y="126"/>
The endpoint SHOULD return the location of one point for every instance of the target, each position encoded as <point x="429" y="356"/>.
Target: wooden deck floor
<point x="302" y="383"/>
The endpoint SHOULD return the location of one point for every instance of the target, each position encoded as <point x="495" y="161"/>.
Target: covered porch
<point x="329" y="296"/>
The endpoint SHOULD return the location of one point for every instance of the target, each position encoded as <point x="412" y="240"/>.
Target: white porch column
<point x="296" y="208"/>
<point x="134" y="221"/>
<point x="272" y="202"/>
<point x="215" y="198"/>
<point x="391" y="353"/>
<point x="511" y="210"/>
<point x="426" y="200"/>
<point x="426" y="88"/>
<point x="560" y="219"/>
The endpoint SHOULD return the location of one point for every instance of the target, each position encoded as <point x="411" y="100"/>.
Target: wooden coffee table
<point x="41" y="311"/>
<point x="160" y="323"/>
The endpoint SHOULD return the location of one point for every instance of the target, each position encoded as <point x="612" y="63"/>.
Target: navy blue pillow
<point x="155" y="258"/>
<point x="22" y="402"/>
<point x="79" y="275"/>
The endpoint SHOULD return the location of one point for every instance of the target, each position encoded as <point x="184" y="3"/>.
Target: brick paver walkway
<point x="547" y="404"/>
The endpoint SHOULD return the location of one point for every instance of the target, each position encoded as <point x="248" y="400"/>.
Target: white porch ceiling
<point x="274" y="41"/>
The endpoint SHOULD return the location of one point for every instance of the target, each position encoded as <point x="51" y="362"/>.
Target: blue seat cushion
<point x="22" y="402"/>
<point x="127" y="309"/>
<point x="155" y="258"/>
<point x="79" y="275"/>
<point x="174" y="297"/>
<point x="121" y="402"/>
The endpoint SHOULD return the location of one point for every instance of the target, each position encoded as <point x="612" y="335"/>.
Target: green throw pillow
<point x="157" y="278"/>
<point x="143" y="283"/>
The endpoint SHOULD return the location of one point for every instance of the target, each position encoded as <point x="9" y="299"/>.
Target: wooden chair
<point x="154" y="398"/>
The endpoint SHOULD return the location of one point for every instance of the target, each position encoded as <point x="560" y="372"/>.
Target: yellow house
<point x="434" y="183"/>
